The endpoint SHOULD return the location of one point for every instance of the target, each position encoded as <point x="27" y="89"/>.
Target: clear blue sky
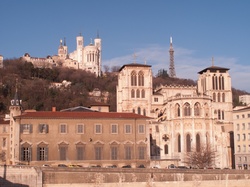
<point x="200" y="30"/>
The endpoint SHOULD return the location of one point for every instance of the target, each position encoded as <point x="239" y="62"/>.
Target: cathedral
<point x="183" y="118"/>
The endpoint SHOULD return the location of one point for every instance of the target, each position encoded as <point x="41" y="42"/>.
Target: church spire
<point x="16" y="101"/>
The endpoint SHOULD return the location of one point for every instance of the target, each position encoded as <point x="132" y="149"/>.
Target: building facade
<point x="1" y="61"/>
<point x="82" y="138"/>
<point x="185" y="117"/>
<point x="241" y="117"/>
<point x="244" y="99"/>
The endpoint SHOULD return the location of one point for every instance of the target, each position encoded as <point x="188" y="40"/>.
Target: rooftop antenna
<point x="171" y="59"/>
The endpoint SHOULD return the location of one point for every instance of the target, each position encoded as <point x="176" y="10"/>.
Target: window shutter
<point x="21" y="155"/>
<point x="40" y="128"/>
<point x="46" y="153"/>
<point x="30" y="154"/>
<point x="38" y="152"/>
<point x="47" y="128"/>
<point x="31" y="128"/>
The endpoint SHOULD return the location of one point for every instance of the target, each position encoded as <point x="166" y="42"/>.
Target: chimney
<point x="53" y="109"/>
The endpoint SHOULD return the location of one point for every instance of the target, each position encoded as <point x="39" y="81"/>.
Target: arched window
<point x="197" y="109"/>
<point x="216" y="82"/>
<point x="144" y="112"/>
<point x="187" y="109"/>
<point x="133" y="78"/>
<point x="188" y="143"/>
<point x="223" y="97"/>
<point x="222" y="114"/>
<point x="214" y="97"/>
<point x="219" y="114"/>
<point x="206" y="109"/>
<point x="166" y="149"/>
<point x="179" y="143"/>
<point x="140" y="79"/>
<point x="222" y="83"/>
<point x="198" y="143"/>
<point x="137" y="93"/>
<point x="177" y="110"/>
<point x="138" y="110"/>
<point x="218" y="97"/>
<point x="143" y="94"/>
<point x="132" y="93"/>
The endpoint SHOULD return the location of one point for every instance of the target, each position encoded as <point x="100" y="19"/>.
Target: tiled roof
<point x="81" y="115"/>
<point x="213" y="68"/>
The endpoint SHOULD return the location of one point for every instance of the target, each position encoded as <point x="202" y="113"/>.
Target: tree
<point x="203" y="158"/>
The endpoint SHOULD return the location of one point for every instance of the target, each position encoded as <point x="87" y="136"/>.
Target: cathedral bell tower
<point x="15" y="110"/>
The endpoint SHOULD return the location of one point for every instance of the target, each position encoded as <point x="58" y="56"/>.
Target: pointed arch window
<point x="214" y="97"/>
<point x="166" y="149"/>
<point x="143" y="93"/>
<point x="218" y="97"/>
<point x="187" y="109"/>
<point x="177" y="110"/>
<point x="206" y="109"/>
<point x="188" y="143"/>
<point x="133" y="78"/>
<point x="138" y="110"/>
<point x="197" y="109"/>
<point x="223" y="97"/>
<point x="222" y="83"/>
<point x="144" y="112"/>
<point x="179" y="143"/>
<point x="198" y="143"/>
<point x="132" y="93"/>
<point x="137" y="93"/>
<point x="219" y="114"/>
<point x="140" y="78"/>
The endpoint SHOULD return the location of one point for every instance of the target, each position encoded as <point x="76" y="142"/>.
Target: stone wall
<point x="15" y="176"/>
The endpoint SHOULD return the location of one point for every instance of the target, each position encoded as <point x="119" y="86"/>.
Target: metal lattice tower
<point x="171" y="58"/>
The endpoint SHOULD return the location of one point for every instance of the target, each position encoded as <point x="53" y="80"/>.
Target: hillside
<point x="36" y="91"/>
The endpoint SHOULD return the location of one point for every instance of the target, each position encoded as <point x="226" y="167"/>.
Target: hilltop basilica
<point x="87" y="57"/>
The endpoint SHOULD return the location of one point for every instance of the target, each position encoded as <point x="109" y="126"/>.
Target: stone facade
<point x="185" y="117"/>
<point x="241" y="116"/>
<point x="1" y="61"/>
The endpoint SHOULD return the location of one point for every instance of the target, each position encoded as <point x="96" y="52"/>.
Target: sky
<point x="201" y="30"/>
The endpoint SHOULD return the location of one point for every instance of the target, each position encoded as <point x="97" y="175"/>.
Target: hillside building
<point x="87" y="57"/>
<point x="1" y="61"/>
<point x="185" y="117"/>
<point x="244" y="99"/>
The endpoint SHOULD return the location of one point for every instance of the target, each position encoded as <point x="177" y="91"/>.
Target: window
<point x="26" y="151"/>
<point x="133" y="78"/>
<point x="114" y="128"/>
<point x="244" y="148"/>
<point x="98" y="153"/>
<point x="26" y="128"/>
<point x="137" y="93"/>
<point x="243" y="116"/>
<point x="128" y="152"/>
<point x="243" y="126"/>
<point x="139" y="110"/>
<point x="166" y="149"/>
<point x="141" y="129"/>
<point x="248" y="126"/>
<point x="198" y="143"/>
<point x="238" y="126"/>
<point x="62" y="152"/>
<point x="248" y="136"/>
<point x="238" y="137"/>
<point x="156" y="99"/>
<point x="4" y="143"/>
<point x="132" y="93"/>
<point x="98" y="128"/>
<point x="248" y="115"/>
<point x="143" y="94"/>
<point x="188" y="143"/>
<point x="80" y="128"/>
<point x="114" y="153"/>
<point x="218" y="97"/>
<point x="179" y="143"/>
<point x="238" y="148"/>
<point x="43" y="128"/>
<point x="223" y="97"/>
<point x="244" y="137"/>
<point x="197" y="109"/>
<point x="128" y="129"/>
<point x="63" y="128"/>
<point x="187" y="109"/>
<point x="141" y="152"/>
<point x="42" y="153"/>
<point x="80" y="152"/>
<point x="177" y="110"/>
<point x="140" y="78"/>
<point x="237" y="117"/>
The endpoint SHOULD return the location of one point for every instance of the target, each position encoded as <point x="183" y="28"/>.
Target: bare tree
<point x="203" y="158"/>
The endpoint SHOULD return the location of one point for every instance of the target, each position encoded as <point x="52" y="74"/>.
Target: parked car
<point x="46" y="165"/>
<point x="111" y="166"/>
<point x="126" y="166"/>
<point x="182" y="167"/>
<point x="62" y="165"/>
<point x="141" y="166"/>
<point x="171" y="166"/>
